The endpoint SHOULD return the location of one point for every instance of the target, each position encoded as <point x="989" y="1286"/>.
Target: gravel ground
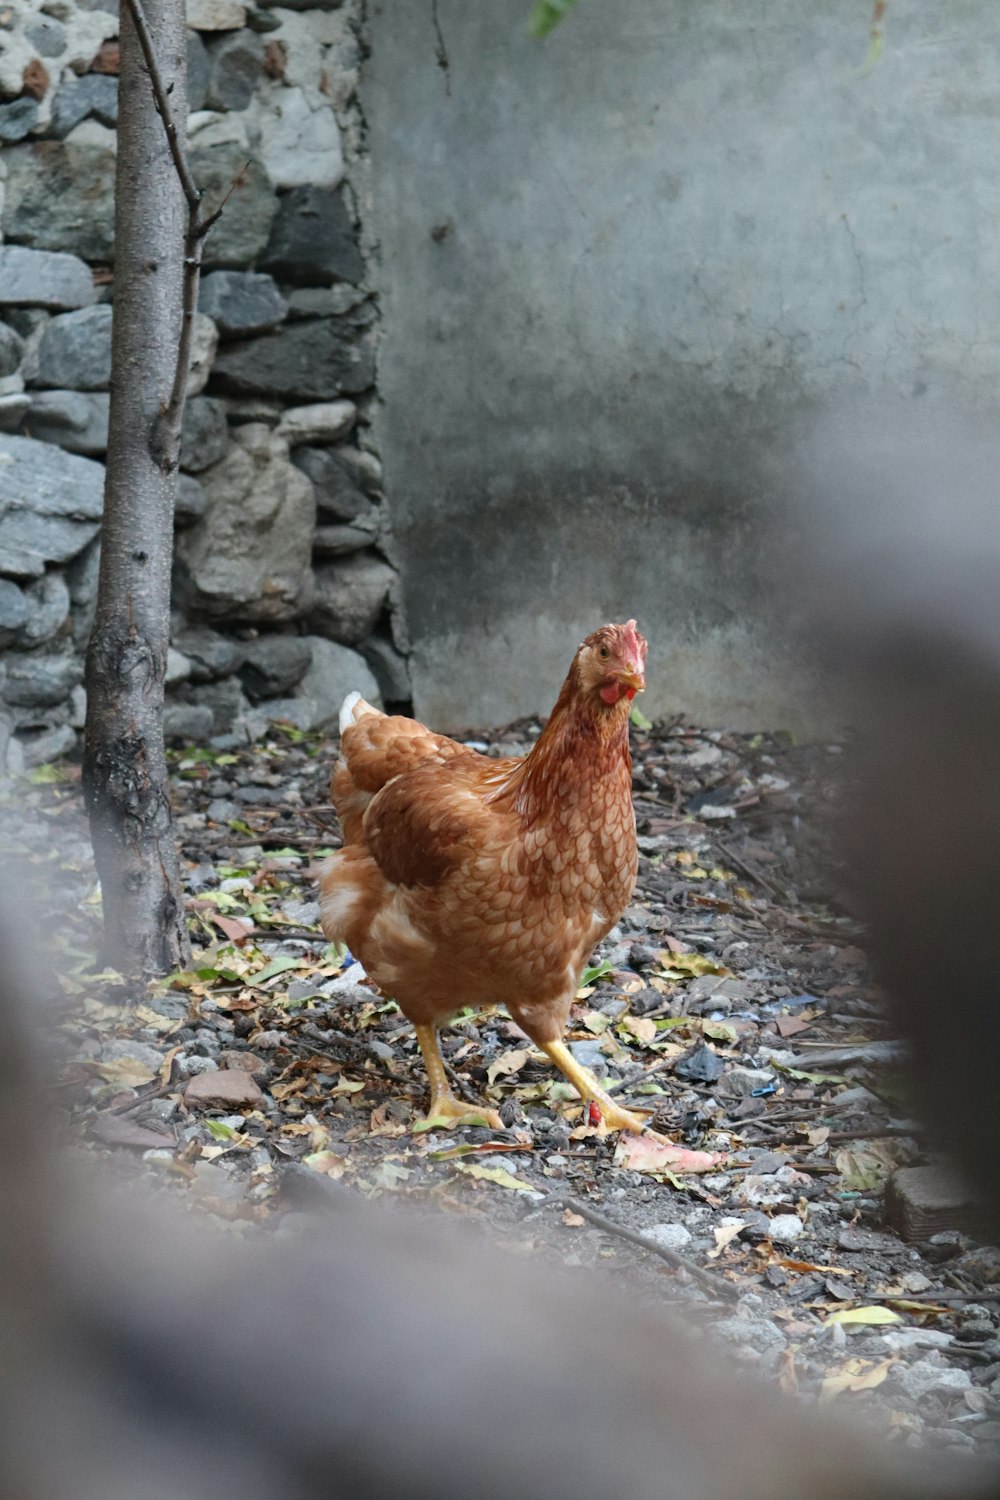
<point x="733" y="1002"/>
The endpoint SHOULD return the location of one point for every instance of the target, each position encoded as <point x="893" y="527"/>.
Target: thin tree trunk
<point x="125" y="773"/>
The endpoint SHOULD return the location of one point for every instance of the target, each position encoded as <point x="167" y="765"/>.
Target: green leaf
<point x="547" y="15"/>
<point x="594" y="972"/>
<point x="279" y="965"/>
<point x="872" y="1315"/>
<point x="220" y="1131"/>
<point x="639" y="719"/>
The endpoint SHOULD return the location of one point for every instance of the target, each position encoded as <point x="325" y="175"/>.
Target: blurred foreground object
<point x="903" y="570"/>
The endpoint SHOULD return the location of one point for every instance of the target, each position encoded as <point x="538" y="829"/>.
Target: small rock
<point x="350" y="596"/>
<point x="241" y="234"/>
<point x="785" y="1229"/>
<point x="712" y="992"/>
<point x="334" y="672"/>
<point x="14" y="612"/>
<point x="311" y="362"/>
<point x="60" y="195"/>
<point x="313" y="241"/>
<point x="273" y="664"/>
<point x="339" y="493"/>
<point x="236" y="64"/>
<point x="245" y="1062"/>
<point x="300" y="142"/>
<point x="188" y="721"/>
<point x="670" y="1236"/>
<point x="211" y="655"/>
<point x="758" y="1334"/>
<point x="35" y="680"/>
<point x="215" y="15"/>
<point x="190" y="1065"/>
<point x="325" y="422"/>
<point x="926" y="1377"/>
<point x="189" y="502"/>
<point x="241" y="302"/>
<point x="590" y="1055"/>
<point x="740" y="1082"/>
<point x="18" y="119"/>
<point x="114" y="1130"/>
<point x="75" y="350"/>
<point x="11" y="350"/>
<point x="204" y="435"/>
<point x="74" y="420"/>
<point x="120" y="1050"/>
<point x="39" y="748"/>
<point x="95" y="94"/>
<point x="48" y="602"/>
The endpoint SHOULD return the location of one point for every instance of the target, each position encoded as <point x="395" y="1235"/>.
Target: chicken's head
<point x="611" y="663"/>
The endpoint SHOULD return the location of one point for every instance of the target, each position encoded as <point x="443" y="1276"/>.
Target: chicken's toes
<point x="446" y="1112"/>
<point x="613" y="1117"/>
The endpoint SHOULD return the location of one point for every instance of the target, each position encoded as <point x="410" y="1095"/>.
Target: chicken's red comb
<point x="633" y="641"/>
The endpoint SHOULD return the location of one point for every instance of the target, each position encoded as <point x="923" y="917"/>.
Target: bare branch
<point x="161" y="93"/>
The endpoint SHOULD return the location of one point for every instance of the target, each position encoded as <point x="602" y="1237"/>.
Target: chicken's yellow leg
<point x="615" y="1118"/>
<point x="444" y="1105"/>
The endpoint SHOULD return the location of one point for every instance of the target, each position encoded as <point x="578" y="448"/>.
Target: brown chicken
<point x="465" y="880"/>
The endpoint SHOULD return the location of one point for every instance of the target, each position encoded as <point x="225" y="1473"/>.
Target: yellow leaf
<point x="864" y="1315"/>
<point x="508" y="1062"/>
<point x="575" y="1221"/>
<point x="641" y="1027"/>
<point x="499" y="1175"/>
<point x="855" y="1375"/>
<point x="678" y="965"/>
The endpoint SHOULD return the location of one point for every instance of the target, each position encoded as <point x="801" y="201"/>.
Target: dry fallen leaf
<point x="327" y="1162"/>
<point x="575" y="1221"/>
<point x="499" y="1175"/>
<point x="644" y="1153"/>
<point x="855" y="1375"/>
<point x="724" y="1236"/>
<point x="508" y="1062"/>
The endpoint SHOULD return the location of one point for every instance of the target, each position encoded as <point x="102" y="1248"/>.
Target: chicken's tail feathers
<point x="353" y="708"/>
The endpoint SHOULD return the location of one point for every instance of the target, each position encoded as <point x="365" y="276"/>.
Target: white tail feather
<point x="347" y="710"/>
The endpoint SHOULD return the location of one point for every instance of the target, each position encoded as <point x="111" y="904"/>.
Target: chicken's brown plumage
<point x="465" y="880"/>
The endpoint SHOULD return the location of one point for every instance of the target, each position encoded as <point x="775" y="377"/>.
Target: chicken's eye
<point x="604" y="652"/>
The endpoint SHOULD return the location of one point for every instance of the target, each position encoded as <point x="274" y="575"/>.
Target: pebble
<point x="670" y="1236"/>
<point x="926" y="1377"/>
<point x="189" y="1065"/>
<point x="786" y="1228"/>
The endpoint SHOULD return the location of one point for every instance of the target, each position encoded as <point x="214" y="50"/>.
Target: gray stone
<point x="241" y="302"/>
<point x="199" y="68"/>
<point x="11" y="350"/>
<point x="14" y="611"/>
<point x="241" y="234"/>
<point x="128" y="1050"/>
<point x="391" y="669"/>
<point x="76" y="420"/>
<point x="189" y="502"/>
<point x="300" y="141"/>
<point x="590" y="1055"/>
<point x="343" y="539"/>
<point x="60" y="196"/>
<point x="709" y="992"/>
<point x="670" y="1236"/>
<point x="74" y="351"/>
<point x="46" y="745"/>
<point x="50" y="505"/>
<point x="350" y="597"/>
<point x="226" y="699"/>
<point x="94" y="95"/>
<point x="178" y="667"/>
<point x="47" y="36"/>
<point x="300" y="361"/>
<point x="785" y="1229"/>
<point x="249" y="555"/>
<point x="314" y="241"/>
<point x="758" y="1334"/>
<point x="325" y="422"/>
<point x="301" y="713"/>
<point x="13" y="410"/>
<point x="338" y="492"/>
<point x="40" y="278"/>
<point x="38" y="681"/>
<point x="211" y="655"/>
<point x="334" y="672"/>
<point x="925" y="1377"/>
<point x="205" y="435"/>
<point x="324" y="301"/>
<point x="48" y="602"/>
<point x="188" y="721"/>
<point x="204" y="342"/>
<point x="215" y="15"/>
<point x="82" y="574"/>
<point x="17" y="119"/>
<point x="236" y="63"/>
<point x="273" y="664"/>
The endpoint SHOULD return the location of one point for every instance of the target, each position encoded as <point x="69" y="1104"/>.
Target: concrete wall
<point x="615" y="266"/>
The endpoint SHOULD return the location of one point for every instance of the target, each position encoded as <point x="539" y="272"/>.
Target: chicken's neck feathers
<point x="584" y="742"/>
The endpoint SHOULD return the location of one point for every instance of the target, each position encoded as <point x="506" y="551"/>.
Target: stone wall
<point x="285" y="594"/>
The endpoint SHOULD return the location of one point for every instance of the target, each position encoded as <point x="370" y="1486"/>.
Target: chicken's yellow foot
<point x="613" y="1115"/>
<point x="444" y="1105"/>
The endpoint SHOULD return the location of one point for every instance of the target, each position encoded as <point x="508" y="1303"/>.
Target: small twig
<point x="632" y="1078"/>
<point x="711" y="1283"/>
<point x="751" y="871"/>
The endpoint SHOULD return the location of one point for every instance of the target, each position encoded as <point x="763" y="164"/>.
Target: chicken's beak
<point x="634" y="680"/>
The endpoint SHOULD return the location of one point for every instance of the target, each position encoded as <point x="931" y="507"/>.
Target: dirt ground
<point x="733" y="1003"/>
